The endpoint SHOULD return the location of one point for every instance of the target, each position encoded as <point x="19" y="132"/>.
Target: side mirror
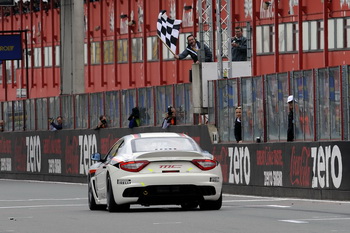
<point x="96" y="157"/>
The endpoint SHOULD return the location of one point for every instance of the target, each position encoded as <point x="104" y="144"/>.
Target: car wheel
<point x="189" y="206"/>
<point x="211" y="205"/>
<point x="92" y="202"/>
<point x="112" y="206"/>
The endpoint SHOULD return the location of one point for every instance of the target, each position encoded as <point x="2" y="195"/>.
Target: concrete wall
<point x="72" y="47"/>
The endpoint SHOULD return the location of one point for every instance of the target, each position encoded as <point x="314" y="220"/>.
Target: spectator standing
<point x="290" y="130"/>
<point x="55" y="126"/>
<point x="239" y="46"/>
<point x="170" y="117"/>
<point x="2" y="126"/>
<point x="102" y="123"/>
<point x="238" y="125"/>
<point x="134" y="118"/>
<point x="192" y="49"/>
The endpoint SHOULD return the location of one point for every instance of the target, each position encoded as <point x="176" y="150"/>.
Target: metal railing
<point x="320" y="113"/>
<point x="83" y="111"/>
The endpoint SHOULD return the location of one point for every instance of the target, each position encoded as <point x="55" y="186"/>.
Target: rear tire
<point x="211" y="205"/>
<point x="112" y="206"/>
<point x="92" y="202"/>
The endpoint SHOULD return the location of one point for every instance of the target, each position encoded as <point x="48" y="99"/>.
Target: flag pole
<point x="166" y="45"/>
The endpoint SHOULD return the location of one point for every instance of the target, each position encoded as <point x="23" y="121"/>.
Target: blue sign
<point x="10" y="47"/>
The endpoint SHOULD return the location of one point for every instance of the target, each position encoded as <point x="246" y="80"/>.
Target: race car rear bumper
<point x="169" y="194"/>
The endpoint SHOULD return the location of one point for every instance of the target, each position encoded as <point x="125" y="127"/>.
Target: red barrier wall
<point x="309" y="170"/>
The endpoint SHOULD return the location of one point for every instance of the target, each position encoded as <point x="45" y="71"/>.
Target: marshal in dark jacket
<point x="238" y="130"/>
<point x="194" y="53"/>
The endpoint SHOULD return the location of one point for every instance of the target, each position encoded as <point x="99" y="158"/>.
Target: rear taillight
<point x="205" y="164"/>
<point x="133" y="166"/>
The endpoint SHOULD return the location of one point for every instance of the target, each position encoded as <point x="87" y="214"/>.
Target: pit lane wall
<point x="317" y="170"/>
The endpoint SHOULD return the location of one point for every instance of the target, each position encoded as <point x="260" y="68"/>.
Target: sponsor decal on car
<point x="170" y="166"/>
<point x="123" y="181"/>
<point x="214" y="179"/>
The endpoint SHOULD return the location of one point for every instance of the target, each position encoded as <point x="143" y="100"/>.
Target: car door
<point x="101" y="172"/>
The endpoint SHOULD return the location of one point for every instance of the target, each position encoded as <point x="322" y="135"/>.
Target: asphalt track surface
<point x="42" y="207"/>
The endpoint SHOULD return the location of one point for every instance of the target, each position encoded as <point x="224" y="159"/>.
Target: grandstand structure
<point x="81" y="59"/>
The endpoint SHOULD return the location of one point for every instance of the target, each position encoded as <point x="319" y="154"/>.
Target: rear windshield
<point x="163" y="144"/>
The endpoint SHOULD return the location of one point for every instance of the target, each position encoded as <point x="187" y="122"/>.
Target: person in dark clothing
<point x="134" y="118"/>
<point x="238" y="125"/>
<point x="2" y="126"/>
<point x="193" y="47"/>
<point x="170" y="118"/>
<point x="239" y="46"/>
<point x="56" y="126"/>
<point x="290" y="130"/>
<point x="171" y="115"/>
<point x="102" y="123"/>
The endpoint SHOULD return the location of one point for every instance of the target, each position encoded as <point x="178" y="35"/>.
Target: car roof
<point x="159" y="134"/>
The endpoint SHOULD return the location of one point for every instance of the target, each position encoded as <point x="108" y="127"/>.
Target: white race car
<point x="155" y="169"/>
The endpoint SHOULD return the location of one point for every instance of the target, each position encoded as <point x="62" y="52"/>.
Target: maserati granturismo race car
<point x="155" y="169"/>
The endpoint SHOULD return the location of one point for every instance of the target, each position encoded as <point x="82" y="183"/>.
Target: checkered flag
<point x="168" y="30"/>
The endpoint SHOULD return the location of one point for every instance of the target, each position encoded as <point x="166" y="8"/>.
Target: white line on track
<point x="313" y="219"/>
<point x="273" y="206"/>
<point x="250" y="200"/>
<point x="261" y="198"/>
<point x="41" y="181"/>
<point x="63" y="199"/>
<point x="260" y="206"/>
<point x="39" y="206"/>
<point x="279" y="206"/>
<point x="166" y="223"/>
<point x="293" y="221"/>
